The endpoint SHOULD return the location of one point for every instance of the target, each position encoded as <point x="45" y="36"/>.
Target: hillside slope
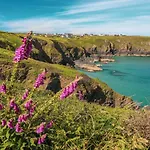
<point x="65" y="51"/>
<point x="58" y="77"/>
<point x="77" y="124"/>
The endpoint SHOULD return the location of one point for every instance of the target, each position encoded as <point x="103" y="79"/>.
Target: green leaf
<point x="32" y="142"/>
<point x="23" y="146"/>
<point x="19" y="143"/>
<point x="8" y="144"/>
<point x="7" y="134"/>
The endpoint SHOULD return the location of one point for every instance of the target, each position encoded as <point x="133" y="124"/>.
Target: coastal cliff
<point x="76" y="123"/>
<point x="50" y="53"/>
<point x="66" y="50"/>
<point x="59" y="76"/>
<point x="56" y="50"/>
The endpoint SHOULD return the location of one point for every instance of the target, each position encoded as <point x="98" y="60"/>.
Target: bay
<point x="129" y="76"/>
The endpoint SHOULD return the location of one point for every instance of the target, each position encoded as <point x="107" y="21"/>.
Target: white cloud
<point x="91" y="23"/>
<point x="97" y="6"/>
<point x="49" y="24"/>
<point x="135" y="26"/>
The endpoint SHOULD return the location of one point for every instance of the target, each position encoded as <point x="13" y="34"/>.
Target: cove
<point x="129" y="76"/>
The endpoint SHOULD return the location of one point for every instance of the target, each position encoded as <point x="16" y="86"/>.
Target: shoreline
<point x="88" y="67"/>
<point x="145" y="104"/>
<point x="134" y="55"/>
<point x="91" y="66"/>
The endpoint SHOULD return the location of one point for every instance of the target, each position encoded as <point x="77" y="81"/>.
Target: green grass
<point x="78" y="125"/>
<point x="84" y="126"/>
<point x="120" y="42"/>
<point x="11" y="38"/>
<point x="102" y="42"/>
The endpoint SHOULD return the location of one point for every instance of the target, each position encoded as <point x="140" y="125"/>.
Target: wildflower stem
<point x="13" y="75"/>
<point x="31" y="93"/>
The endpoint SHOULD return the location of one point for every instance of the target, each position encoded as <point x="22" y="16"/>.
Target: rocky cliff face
<point x="123" y="50"/>
<point x="60" y="53"/>
<point x="66" y="51"/>
<point x="56" y="52"/>
<point x="94" y="91"/>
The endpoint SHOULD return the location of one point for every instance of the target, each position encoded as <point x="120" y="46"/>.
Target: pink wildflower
<point x="18" y="128"/>
<point x="50" y="124"/>
<point x="41" y="140"/>
<point x="68" y="90"/>
<point x="12" y="103"/>
<point x="32" y="109"/>
<point x="23" y="118"/>
<point x="4" y="122"/>
<point x="16" y="108"/>
<point x="40" y="128"/>
<point x="25" y="95"/>
<point x="40" y="79"/>
<point x="28" y="104"/>
<point x="3" y="88"/>
<point x="1" y="106"/>
<point x="10" y="124"/>
<point x="23" y="51"/>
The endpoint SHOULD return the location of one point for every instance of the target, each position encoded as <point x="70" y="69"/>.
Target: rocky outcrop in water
<point x="91" y="67"/>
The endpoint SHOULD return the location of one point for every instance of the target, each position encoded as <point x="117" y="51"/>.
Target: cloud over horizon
<point x="109" y="16"/>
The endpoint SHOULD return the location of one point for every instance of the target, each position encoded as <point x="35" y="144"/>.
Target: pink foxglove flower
<point x="41" y="140"/>
<point x="1" y="106"/>
<point x="63" y="94"/>
<point x="18" y="128"/>
<point x="74" y="84"/>
<point x="28" y="104"/>
<point x="16" y="108"/>
<point x="25" y="95"/>
<point x="50" y="124"/>
<point x="4" y="122"/>
<point x="40" y="128"/>
<point x="23" y="118"/>
<point x="23" y="51"/>
<point x="40" y="79"/>
<point x="68" y="90"/>
<point x="10" y="124"/>
<point x="3" y="88"/>
<point x="32" y="109"/>
<point x="71" y="89"/>
<point x="12" y="103"/>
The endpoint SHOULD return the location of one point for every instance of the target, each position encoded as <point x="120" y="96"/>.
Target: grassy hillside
<point x="57" y="49"/>
<point x="28" y="71"/>
<point x="102" y="42"/>
<point x="77" y="124"/>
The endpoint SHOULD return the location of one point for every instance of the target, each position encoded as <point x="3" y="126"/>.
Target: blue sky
<point x="131" y="17"/>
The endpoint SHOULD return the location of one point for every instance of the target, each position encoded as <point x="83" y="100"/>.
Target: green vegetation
<point x="57" y="49"/>
<point x="102" y="42"/>
<point x="79" y="125"/>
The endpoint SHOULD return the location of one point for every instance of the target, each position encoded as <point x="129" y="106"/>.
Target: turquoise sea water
<point x="128" y="76"/>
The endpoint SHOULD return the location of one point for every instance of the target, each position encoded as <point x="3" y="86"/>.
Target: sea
<point x="129" y="76"/>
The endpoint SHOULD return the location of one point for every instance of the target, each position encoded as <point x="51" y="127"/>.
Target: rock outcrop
<point x="56" y="52"/>
<point x="66" y="51"/>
